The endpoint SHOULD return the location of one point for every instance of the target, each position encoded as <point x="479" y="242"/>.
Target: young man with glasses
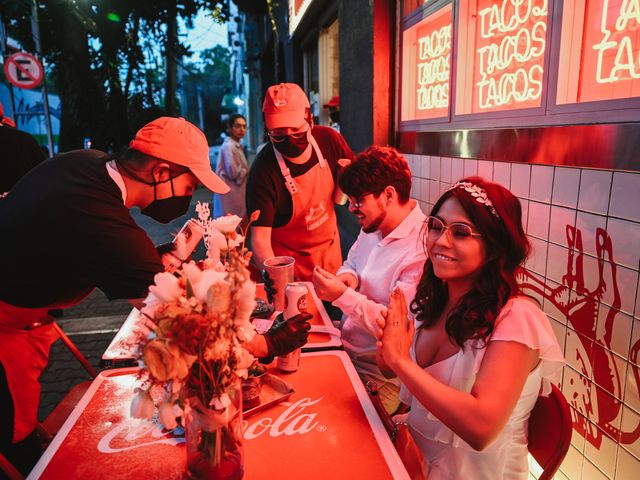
<point x="293" y="183"/>
<point x="388" y="253"/>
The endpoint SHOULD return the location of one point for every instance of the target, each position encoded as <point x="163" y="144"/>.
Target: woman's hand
<point x="327" y="285"/>
<point x="396" y="331"/>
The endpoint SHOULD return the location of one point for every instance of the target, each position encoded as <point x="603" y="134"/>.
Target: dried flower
<point x="199" y="319"/>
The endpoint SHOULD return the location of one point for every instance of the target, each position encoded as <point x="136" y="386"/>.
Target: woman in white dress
<point x="482" y="352"/>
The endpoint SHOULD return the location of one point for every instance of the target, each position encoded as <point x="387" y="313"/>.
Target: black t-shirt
<point x="65" y="230"/>
<point x="19" y="153"/>
<point x="266" y="190"/>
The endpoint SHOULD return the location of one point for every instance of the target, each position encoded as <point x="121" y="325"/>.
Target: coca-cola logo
<point x="302" y="303"/>
<point x="294" y="419"/>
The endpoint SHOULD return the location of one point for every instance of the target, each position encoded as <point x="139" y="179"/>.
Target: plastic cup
<point x="280" y="271"/>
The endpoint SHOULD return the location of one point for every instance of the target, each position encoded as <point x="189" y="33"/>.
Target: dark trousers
<point x="24" y="454"/>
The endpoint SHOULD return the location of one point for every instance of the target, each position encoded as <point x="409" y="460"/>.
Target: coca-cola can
<point x="289" y="362"/>
<point x="296" y="299"/>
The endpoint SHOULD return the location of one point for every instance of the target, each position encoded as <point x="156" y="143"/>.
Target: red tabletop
<point x="323" y="335"/>
<point x="328" y="429"/>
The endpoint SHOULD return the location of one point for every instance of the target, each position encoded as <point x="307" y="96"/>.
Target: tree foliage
<point x="113" y="62"/>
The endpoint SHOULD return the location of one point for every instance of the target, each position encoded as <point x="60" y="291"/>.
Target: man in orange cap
<point x="67" y="229"/>
<point x="293" y="183"/>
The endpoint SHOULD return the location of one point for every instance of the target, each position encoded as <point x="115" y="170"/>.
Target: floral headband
<point x="478" y="193"/>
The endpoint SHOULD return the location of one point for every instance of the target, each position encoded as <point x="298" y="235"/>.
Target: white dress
<point x="448" y="456"/>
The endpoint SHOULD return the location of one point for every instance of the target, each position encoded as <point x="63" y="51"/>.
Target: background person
<point x="233" y="167"/>
<point x="293" y="183"/>
<point x="19" y="153"/>
<point x="387" y="254"/>
<point x="484" y="352"/>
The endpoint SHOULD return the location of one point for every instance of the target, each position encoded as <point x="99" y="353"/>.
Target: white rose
<point x="227" y="224"/>
<point x="142" y="405"/>
<point x="217" y="243"/>
<point x="246" y="303"/>
<point x="206" y="280"/>
<point x="166" y="287"/>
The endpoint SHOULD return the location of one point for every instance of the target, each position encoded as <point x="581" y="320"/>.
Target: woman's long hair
<point x="506" y="247"/>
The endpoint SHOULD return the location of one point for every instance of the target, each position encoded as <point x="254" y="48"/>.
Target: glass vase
<point x="214" y="439"/>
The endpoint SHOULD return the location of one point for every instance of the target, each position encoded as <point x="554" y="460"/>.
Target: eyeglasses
<point x="458" y="231"/>
<point x="358" y="201"/>
<point x="278" y="137"/>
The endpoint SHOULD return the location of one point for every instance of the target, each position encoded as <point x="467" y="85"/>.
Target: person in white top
<point x="233" y="167"/>
<point x="388" y="253"/>
<point x="483" y="352"/>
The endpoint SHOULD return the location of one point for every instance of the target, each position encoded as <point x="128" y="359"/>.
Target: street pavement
<point x="92" y="323"/>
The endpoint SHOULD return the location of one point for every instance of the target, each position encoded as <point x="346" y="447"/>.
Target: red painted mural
<point x="594" y="397"/>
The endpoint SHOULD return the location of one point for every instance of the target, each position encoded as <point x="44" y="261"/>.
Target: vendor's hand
<point x="397" y="332"/>
<point x="327" y="285"/>
<point x="285" y="336"/>
<point x="268" y="286"/>
<point x="165" y="248"/>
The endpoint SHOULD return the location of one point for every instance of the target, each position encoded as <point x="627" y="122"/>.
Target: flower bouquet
<point x="193" y="359"/>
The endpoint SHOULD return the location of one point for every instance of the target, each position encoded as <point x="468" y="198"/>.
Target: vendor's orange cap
<point x="178" y="141"/>
<point x="334" y="102"/>
<point x="285" y="106"/>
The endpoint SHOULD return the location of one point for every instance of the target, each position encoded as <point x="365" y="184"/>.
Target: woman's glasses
<point x="458" y="231"/>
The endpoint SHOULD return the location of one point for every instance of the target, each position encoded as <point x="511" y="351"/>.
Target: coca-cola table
<point x="121" y="350"/>
<point x="328" y="428"/>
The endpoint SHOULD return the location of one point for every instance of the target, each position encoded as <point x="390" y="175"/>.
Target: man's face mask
<point x="291" y="145"/>
<point x="166" y="209"/>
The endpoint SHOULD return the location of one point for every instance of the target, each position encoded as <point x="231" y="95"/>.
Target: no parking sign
<point x="23" y="70"/>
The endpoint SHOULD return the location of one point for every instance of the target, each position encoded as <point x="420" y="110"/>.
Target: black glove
<point x="268" y="286"/>
<point x="285" y="336"/>
<point x="165" y="248"/>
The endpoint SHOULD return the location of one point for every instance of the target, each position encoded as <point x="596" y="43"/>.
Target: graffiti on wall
<point x="592" y="352"/>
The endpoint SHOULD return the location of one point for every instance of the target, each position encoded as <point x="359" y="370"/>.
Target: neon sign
<point x="426" y="67"/>
<point x="607" y="35"/>
<point x="510" y="63"/>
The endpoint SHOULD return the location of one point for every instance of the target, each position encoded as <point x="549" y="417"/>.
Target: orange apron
<point x="26" y="335"/>
<point x="311" y="236"/>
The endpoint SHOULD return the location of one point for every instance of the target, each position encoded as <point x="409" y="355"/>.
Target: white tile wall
<point x="520" y="179"/>
<point x="566" y="184"/>
<point x="625" y="197"/>
<point x="595" y="188"/>
<point x="552" y="198"/>
<point x="485" y="170"/>
<point x="541" y="183"/>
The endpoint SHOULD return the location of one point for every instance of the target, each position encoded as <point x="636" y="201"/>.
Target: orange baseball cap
<point x="178" y="141"/>
<point x="285" y="105"/>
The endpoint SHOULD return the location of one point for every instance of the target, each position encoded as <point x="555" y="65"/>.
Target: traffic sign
<point x="23" y="70"/>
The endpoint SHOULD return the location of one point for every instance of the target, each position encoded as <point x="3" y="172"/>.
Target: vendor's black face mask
<point x="166" y="209"/>
<point x="292" y="146"/>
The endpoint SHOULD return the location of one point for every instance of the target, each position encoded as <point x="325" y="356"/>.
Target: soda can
<point x="290" y="362"/>
<point x="296" y="299"/>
